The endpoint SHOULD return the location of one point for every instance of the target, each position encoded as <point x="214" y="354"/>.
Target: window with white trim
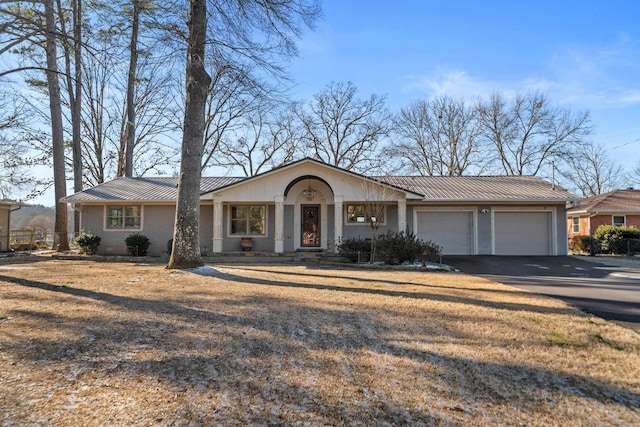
<point x="124" y="217"/>
<point x="618" y="220"/>
<point x="359" y="214"/>
<point x="248" y="220"/>
<point x="576" y="224"/>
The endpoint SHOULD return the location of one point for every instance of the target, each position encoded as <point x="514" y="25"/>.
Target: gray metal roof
<point x="481" y="188"/>
<point x="433" y="188"/>
<point x="145" y="189"/>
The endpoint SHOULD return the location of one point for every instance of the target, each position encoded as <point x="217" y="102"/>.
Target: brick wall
<point x="597" y="221"/>
<point x="584" y="226"/>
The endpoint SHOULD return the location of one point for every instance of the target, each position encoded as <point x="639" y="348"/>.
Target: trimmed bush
<point x="88" y="243"/>
<point x="355" y="249"/>
<point x="137" y="244"/>
<point x="404" y="247"/>
<point x="618" y="240"/>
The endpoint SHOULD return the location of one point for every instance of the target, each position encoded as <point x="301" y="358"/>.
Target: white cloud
<point x="459" y="84"/>
<point x="450" y="82"/>
<point x="597" y="76"/>
<point x="584" y="76"/>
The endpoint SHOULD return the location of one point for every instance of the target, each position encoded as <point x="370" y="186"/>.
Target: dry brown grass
<point x="101" y="343"/>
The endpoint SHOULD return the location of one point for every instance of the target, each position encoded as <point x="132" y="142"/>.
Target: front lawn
<point x="102" y="343"/>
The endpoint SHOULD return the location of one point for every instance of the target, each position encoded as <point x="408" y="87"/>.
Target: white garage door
<point x="523" y="233"/>
<point x="452" y="230"/>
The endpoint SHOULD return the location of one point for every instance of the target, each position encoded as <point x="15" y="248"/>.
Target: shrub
<point x="618" y="240"/>
<point x="137" y="244"/>
<point x="401" y="247"/>
<point x="391" y="248"/>
<point x="355" y="249"/>
<point x="88" y="243"/>
<point x="581" y="244"/>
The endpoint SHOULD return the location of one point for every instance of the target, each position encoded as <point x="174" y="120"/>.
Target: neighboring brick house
<point x="618" y="207"/>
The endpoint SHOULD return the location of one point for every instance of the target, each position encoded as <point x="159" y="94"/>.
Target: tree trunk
<point x="76" y="117"/>
<point x="130" y="126"/>
<point x="61" y="240"/>
<point x="185" y="252"/>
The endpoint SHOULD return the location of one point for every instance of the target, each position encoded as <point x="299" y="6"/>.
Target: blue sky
<point x="585" y="55"/>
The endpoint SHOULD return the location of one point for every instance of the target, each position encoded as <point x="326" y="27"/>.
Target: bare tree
<point x="232" y="96"/>
<point x="343" y="130"/>
<point x="105" y="113"/>
<point x="61" y="238"/>
<point x="529" y="132"/>
<point x="376" y="198"/>
<point x="592" y="172"/>
<point x="129" y="133"/>
<point x="15" y="159"/>
<point x="186" y="239"/>
<point x="240" y="32"/>
<point x="266" y="141"/>
<point x="72" y="47"/>
<point x="42" y="224"/>
<point x="635" y="174"/>
<point x="437" y="137"/>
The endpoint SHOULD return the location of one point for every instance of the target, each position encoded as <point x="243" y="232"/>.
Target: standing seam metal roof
<point x="481" y="188"/>
<point x="436" y="188"/>
<point x="151" y="189"/>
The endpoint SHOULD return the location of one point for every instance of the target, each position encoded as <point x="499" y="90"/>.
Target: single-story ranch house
<point x="617" y="207"/>
<point x="310" y="205"/>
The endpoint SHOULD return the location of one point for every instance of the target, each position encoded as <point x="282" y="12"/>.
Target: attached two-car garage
<point x="511" y="232"/>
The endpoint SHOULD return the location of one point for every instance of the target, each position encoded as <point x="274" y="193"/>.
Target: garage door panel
<point x="452" y="230"/>
<point x="522" y="233"/>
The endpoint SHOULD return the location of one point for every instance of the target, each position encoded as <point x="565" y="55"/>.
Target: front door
<point x="310" y="226"/>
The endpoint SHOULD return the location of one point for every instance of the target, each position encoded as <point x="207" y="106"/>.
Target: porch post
<point x="337" y="219"/>
<point x="279" y="231"/>
<point x="402" y="215"/>
<point x="217" y="226"/>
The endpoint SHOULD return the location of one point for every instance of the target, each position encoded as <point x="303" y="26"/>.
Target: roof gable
<point x="310" y="168"/>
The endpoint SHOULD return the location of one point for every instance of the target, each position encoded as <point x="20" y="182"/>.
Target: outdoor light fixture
<point x="309" y="192"/>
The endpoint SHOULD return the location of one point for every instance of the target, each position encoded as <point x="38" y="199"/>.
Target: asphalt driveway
<point x="607" y="290"/>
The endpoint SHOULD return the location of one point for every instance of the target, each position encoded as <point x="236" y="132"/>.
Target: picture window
<point x="124" y="217"/>
<point x="359" y="214"/>
<point x="248" y="220"/>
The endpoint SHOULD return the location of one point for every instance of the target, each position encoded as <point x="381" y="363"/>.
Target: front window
<point x="362" y="214"/>
<point x="248" y="220"/>
<point x="619" y="220"/>
<point x="576" y="224"/>
<point x="124" y="217"/>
